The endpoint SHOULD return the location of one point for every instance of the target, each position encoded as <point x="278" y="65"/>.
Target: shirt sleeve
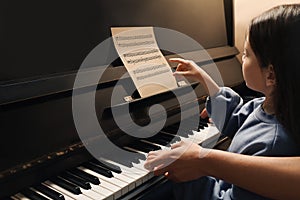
<point x="212" y="189"/>
<point x="228" y="111"/>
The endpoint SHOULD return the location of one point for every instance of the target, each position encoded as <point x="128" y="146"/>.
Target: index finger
<point x="179" y="60"/>
<point x="177" y="144"/>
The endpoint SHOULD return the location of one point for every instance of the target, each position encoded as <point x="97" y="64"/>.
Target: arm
<point x="273" y="177"/>
<point x="225" y="106"/>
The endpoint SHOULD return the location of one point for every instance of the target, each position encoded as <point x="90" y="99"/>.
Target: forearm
<point x="210" y="86"/>
<point x="277" y="178"/>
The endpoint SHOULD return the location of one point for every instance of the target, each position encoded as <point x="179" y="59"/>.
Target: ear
<point x="270" y="76"/>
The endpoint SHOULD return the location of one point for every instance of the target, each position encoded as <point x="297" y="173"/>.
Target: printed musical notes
<point x="138" y="49"/>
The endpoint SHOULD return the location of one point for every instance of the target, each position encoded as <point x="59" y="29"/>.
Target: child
<point x="267" y="126"/>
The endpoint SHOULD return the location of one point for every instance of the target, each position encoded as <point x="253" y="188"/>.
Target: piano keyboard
<point x="106" y="179"/>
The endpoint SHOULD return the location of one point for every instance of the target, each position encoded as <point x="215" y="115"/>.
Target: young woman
<point x="265" y="126"/>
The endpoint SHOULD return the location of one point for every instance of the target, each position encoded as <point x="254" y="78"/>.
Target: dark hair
<point x="274" y="37"/>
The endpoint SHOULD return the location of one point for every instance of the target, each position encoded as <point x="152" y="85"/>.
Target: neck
<point x="268" y="106"/>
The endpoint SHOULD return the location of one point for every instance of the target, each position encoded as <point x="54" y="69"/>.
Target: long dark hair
<point x="274" y="37"/>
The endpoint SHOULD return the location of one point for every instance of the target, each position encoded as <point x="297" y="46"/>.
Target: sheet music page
<point x="148" y="68"/>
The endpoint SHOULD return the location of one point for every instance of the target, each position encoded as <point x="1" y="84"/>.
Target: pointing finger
<point x="179" y="60"/>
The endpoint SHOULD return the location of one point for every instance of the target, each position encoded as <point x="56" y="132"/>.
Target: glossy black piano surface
<point x="42" y="47"/>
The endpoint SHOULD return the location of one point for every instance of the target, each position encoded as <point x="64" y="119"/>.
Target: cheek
<point x="245" y="70"/>
<point x="248" y="74"/>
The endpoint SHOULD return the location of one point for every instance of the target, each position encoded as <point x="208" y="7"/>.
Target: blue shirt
<point x="254" y="132"/>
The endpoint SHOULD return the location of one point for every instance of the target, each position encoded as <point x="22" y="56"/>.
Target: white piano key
<point x="38" y="192"/>
<point x="123" y="185"/>
<point x="167" y="133"/>
<point x="141" y="163"/>
<point x="113" y="180"/>
<point x="139" y="175"/>
<point x="135" y="150"/>
<point x="116" y="191"/>
<point x="92" y="194"/>
<point x="116" y="187"/>
<point x="123" y="177"/>
<point x="108" y="195"/>
<point x="207" y="135"/>
<point x="136" y="173"/>
<point x="65" y="196"/>
<point x="161" y="146"/>
<point x="66" y="192"/>
<point x="148" y="175"/>
<point x="197" y="137"/>
<point x="20" y="196"/>
<point x="127" y="179"/>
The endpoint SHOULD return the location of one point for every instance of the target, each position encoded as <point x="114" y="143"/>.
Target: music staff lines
<point x="140" y="53"/>
<point x="134" y="37"/>
<point x="132" y="44"/>
<point x="145" y="59"/>
<point x="151" y="68"/>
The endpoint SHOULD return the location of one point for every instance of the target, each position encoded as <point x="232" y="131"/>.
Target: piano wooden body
<point x="44" y="46"/>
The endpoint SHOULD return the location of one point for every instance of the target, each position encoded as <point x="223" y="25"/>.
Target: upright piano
<point x="43" y="45"/>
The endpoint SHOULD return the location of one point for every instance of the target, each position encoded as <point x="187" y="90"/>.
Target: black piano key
<point x="190" y="124"/>
<point x="203" y="124"/>
<point x="176" y="137"/>
<point x="49" y="192"/>
<point x="76" y="180"/>
<point x="150" y="146"/>
<point x="66" y="185"/>
<point x="144" y="147"/>
<point x="174" y="130"/>
<point x="200" y="126"/>
<point x="190" y="132"/>
<point x="162" y="138"/>
<point x="7" y="198"/>
<point x="32" y="195"/>
<point x="100" y="170"/>
<point x="107" y="165"/>
<point x="139" y="156"/>
<point x="170" y="130"/>
<point x="205" y="120"/>
<point x="88" y="177"/>
<point x="170" y="136"/>
<point x="158" y="140"/>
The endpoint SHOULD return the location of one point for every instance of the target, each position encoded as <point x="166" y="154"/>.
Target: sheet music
<point x="148" y="68"/>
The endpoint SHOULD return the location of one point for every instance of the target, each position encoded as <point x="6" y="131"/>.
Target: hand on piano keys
<point x="106" y="179"/>
<point x="174" y="162"/>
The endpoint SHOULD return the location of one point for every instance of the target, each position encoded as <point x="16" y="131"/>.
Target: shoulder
<point x="263" y="136"/>
<point x="254" y="103"/>
<point x="283" y="143"/>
